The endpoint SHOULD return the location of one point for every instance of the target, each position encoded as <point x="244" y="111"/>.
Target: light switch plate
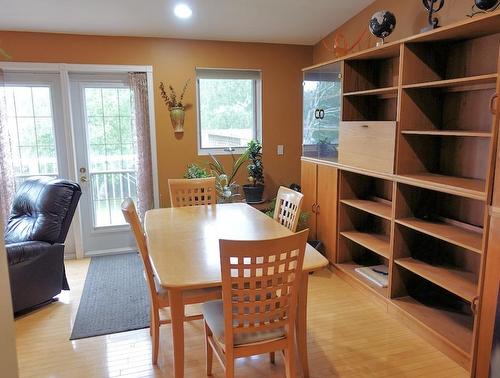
<point x="280" y="149"/>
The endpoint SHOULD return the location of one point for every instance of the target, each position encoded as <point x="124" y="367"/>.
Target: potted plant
<point x="175" y="105"/>
<point x="226" y="186"/>
<point x="325" y="146"/>
<point x="254" y="190"/>
<point x="195" y="171"/>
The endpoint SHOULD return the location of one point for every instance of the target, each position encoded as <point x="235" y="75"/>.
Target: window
<point x="31" y="129"/>
<point x="229" y="109"/>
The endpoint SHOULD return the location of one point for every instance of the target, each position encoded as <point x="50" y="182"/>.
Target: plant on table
<point x="254" y="190"/>
<point x="227" y="188"/>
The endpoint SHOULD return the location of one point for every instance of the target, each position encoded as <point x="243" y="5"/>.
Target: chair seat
<point x="214" y="316"/>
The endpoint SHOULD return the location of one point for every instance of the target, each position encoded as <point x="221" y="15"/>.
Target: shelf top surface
<point x="456" y="235"/>
<point x="458" y="282"/>
<point x="478" y="26"/>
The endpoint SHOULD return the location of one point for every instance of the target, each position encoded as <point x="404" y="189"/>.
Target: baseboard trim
<point x="114" y="251"/>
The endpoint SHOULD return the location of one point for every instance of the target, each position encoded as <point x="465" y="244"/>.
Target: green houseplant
<point x="227" y="188"/>
<point x="195" y="171"/>
<point x="254" y="190"/>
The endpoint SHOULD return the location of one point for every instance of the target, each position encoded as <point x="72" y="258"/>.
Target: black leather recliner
<point x="39" y="221"/>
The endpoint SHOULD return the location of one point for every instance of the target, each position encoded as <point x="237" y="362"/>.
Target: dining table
<point x="183" y="244"/>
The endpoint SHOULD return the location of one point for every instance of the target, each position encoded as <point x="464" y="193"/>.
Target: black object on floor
<point x="115" y="297"/>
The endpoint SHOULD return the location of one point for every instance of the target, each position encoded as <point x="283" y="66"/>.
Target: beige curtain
<point x="7" y="185"/>
<point x="139" y="86"/>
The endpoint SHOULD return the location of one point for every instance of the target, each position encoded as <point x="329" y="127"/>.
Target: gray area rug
<point x="115" y="297"/>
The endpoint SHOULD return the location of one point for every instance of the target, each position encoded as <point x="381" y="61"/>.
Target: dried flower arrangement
<point x="170" y="99"/>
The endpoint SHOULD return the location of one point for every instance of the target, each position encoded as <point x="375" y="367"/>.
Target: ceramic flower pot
<point x="253" y="194"/>
<point x="177" y="118"/>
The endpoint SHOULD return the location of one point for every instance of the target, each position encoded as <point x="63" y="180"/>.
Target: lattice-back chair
<point x="158" y="294"/>
<point x="192" y="192"/>
<point x="260" y="284"/>
<point x="287" y="209"/>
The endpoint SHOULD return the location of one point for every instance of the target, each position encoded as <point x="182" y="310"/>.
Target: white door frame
<point x="64" y="69"/>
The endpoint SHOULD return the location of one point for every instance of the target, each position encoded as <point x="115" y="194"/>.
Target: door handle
<point x="321" y="114"/>
<point x="84" y="179"/>
<point x="313" y="207"/>
<point x="317" y="209"/>
<point x="493" y="109"/>
<point x="316" y="114"/>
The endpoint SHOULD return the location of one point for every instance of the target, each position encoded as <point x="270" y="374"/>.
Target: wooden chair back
<point x="132" y="218"/>
<point x="192" y="192"/>
<point x="260" y="283"/>
<point x="287" y="209"/>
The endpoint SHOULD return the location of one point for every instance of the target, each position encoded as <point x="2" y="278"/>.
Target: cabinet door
<point x="322" y="94"/>
<point x="326" y="227"/>
<point x="308" y="184"/>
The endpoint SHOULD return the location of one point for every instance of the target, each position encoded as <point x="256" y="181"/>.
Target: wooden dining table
<point x="183" y="244"/>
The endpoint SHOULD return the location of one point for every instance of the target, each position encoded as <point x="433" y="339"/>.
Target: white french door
<point x="105" y="154"/>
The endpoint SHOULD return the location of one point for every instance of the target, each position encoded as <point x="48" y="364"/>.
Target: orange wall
<point x="173" y="62"/>
<point x="411" y="17"/>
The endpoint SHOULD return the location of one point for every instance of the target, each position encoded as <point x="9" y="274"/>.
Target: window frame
<point x="227" y="73"/>
<point x="52" y="81"/>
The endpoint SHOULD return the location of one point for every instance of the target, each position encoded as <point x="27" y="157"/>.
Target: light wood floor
<point x="348" y="336"/>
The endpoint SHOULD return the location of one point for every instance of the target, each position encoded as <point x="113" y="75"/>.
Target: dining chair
<point x="260" y="284"/>
<point x="192" y="192"/>
<point x="159" y="295"/>
<point x="287" y="209"/>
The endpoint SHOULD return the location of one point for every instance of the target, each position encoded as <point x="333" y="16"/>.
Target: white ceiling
<point x="272" y="21"/>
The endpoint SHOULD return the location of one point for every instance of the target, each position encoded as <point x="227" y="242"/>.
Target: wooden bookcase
<point x="417" y="144"/>
<point x="365" y="225"/>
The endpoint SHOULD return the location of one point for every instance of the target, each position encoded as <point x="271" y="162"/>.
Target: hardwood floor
<point x="349" y="336"/>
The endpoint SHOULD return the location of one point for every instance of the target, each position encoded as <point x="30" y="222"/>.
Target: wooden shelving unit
<point x="453" y="234"/>
<point x="388" y="91"/>
<point x="348" y="268"/>
<point x="462" y="82"/>
<point x="372" y="206"/>
<point x="473" y="188"/>
<point x="456" y="133"/>
<point x="463" y="284"/>
<point x="415" y="174"/>
<point x="454" y="328"/>
<point x="378" y="243"/>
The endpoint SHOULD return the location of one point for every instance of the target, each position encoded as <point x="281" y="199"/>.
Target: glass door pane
<point x="321" y="111"/>
<point x="30" y="120"/>
<point x="111" y="151"/>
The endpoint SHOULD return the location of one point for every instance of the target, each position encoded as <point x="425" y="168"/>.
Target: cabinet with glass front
<point x="322" y="100"/>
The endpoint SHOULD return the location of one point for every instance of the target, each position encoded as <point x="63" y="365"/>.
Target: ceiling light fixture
<point x="183" y="11"/>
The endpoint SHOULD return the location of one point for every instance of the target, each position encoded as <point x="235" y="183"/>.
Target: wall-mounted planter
<point x="177" y="118"/>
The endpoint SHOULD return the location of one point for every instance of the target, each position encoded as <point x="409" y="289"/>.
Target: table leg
<point x="302" y="324"/>
<point x="177" y="314"/>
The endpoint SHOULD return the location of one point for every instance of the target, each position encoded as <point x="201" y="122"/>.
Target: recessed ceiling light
<point x="182" y="11"/>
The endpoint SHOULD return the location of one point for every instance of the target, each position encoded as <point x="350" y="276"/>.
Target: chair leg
<point x="229" y="367"/>
<point x="208" y="347"/>
<point x="155" y="335"/>
<point x="272" y="357"/>
<point x="291" y="371"/>
<point x="151" y="322"/>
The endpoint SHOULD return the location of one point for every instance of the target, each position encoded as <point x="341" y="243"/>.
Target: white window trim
<point x="257" y="87"/>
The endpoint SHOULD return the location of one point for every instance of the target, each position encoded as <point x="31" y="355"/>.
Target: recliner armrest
<point x="25" y="251"/>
